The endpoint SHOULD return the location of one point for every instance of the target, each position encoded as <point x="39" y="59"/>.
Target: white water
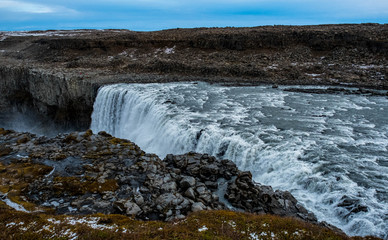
<point x="330" y="151"/>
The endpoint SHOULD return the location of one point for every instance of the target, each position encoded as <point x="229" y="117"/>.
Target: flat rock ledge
<point x="86" y="173"/>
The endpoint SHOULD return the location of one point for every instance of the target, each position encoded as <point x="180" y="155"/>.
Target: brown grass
<point x="218" y="225"/>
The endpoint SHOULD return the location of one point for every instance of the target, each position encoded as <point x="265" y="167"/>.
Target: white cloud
<point x="34" y="8"/>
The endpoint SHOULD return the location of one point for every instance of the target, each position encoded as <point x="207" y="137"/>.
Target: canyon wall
<point x="58" y="73"/>
<point x="52" y="94"/>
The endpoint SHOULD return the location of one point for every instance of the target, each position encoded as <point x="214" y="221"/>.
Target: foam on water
<point x="330" y="151"/>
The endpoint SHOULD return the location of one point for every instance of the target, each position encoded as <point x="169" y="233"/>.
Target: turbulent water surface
<point x="330" y="151"/>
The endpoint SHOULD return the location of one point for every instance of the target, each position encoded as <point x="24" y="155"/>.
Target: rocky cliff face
<point x="48" y="92"/>
<point x="58" y="72"/>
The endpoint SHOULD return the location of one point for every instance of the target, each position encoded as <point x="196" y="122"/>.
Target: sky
<point x="149" y="15"/>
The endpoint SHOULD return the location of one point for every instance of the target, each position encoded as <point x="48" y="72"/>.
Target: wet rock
<point x="352" y="205"/>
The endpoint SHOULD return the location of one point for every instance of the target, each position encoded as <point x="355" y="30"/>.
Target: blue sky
<point x="146" y="15"/>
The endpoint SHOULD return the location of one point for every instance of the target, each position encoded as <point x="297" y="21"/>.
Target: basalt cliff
<point x="57" y="73"/>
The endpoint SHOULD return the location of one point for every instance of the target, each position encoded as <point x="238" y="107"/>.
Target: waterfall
<point x="327" y="155"/>
<point x="127" y="113"/>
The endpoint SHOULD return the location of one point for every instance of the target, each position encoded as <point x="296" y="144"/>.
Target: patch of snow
<point x="160" y="229"/>
<point x="254" y="236"/>
<point x="11" y="204"/>
<point x="296" y="233"/>
<point x="203" y="228"/>
<point x="71" y="235"/>
<point x="124" y="53"/>
<point x="273" y="66"/>
<point x="169" y="50"/>
<point x="50" y="173"/>
<point x="10" y="224"/>
<point x="368" y="66"/>
<point x="71" y="209"/>
<point x="232" y="224"/>
<point x="55" y="203"/>
<point x="40" y="34"/>
<point x="53" y="221"/>
<point x="47" y="228"/>
<point x="2" y="51"/>
<point x="90" y="222"/>
<point x="313" y="74"/>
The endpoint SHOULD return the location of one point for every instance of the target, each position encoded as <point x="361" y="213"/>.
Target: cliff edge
<point x="58" y="72"/>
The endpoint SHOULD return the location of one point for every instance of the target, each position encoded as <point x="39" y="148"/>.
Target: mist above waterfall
<point x="26" y="120"/>
<point x="330" y="151"/>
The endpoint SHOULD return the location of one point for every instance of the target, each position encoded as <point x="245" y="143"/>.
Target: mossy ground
<point x="15" y="178"/>
<point x="200" y="225"/>
<point x="74" y="186"/>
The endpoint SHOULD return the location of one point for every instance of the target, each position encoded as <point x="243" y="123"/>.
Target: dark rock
<point x="5" y="151"/>
<point x="187" y="181"/>
<point x="99" y="175"/>
<point x="352" y="205"/>
<point x="190" y="193"/>
<point x="131" y="208"/>
<point x="197" y="206"/>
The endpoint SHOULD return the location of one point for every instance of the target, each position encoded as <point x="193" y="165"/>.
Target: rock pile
<point x="102" y="174"/>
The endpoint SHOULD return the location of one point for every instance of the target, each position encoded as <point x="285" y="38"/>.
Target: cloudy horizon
<point x="147" y="15"/>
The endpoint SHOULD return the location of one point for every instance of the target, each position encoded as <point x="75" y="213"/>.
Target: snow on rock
<point x="169" y="50"/>
<point x="53" y="221"/>
<point x="203" y="228"/>
<point x="91" y="222"/>
<point x="313" y="74"/>
<point x="254" y="236"/>
<point x="17" y="207"/>
<point x="68" y="233"/>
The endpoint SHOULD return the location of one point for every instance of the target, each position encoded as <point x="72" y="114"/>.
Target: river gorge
<point x="303" y="109"/>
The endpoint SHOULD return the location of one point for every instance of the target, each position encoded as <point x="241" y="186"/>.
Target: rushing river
<point x="329" y="151"/>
